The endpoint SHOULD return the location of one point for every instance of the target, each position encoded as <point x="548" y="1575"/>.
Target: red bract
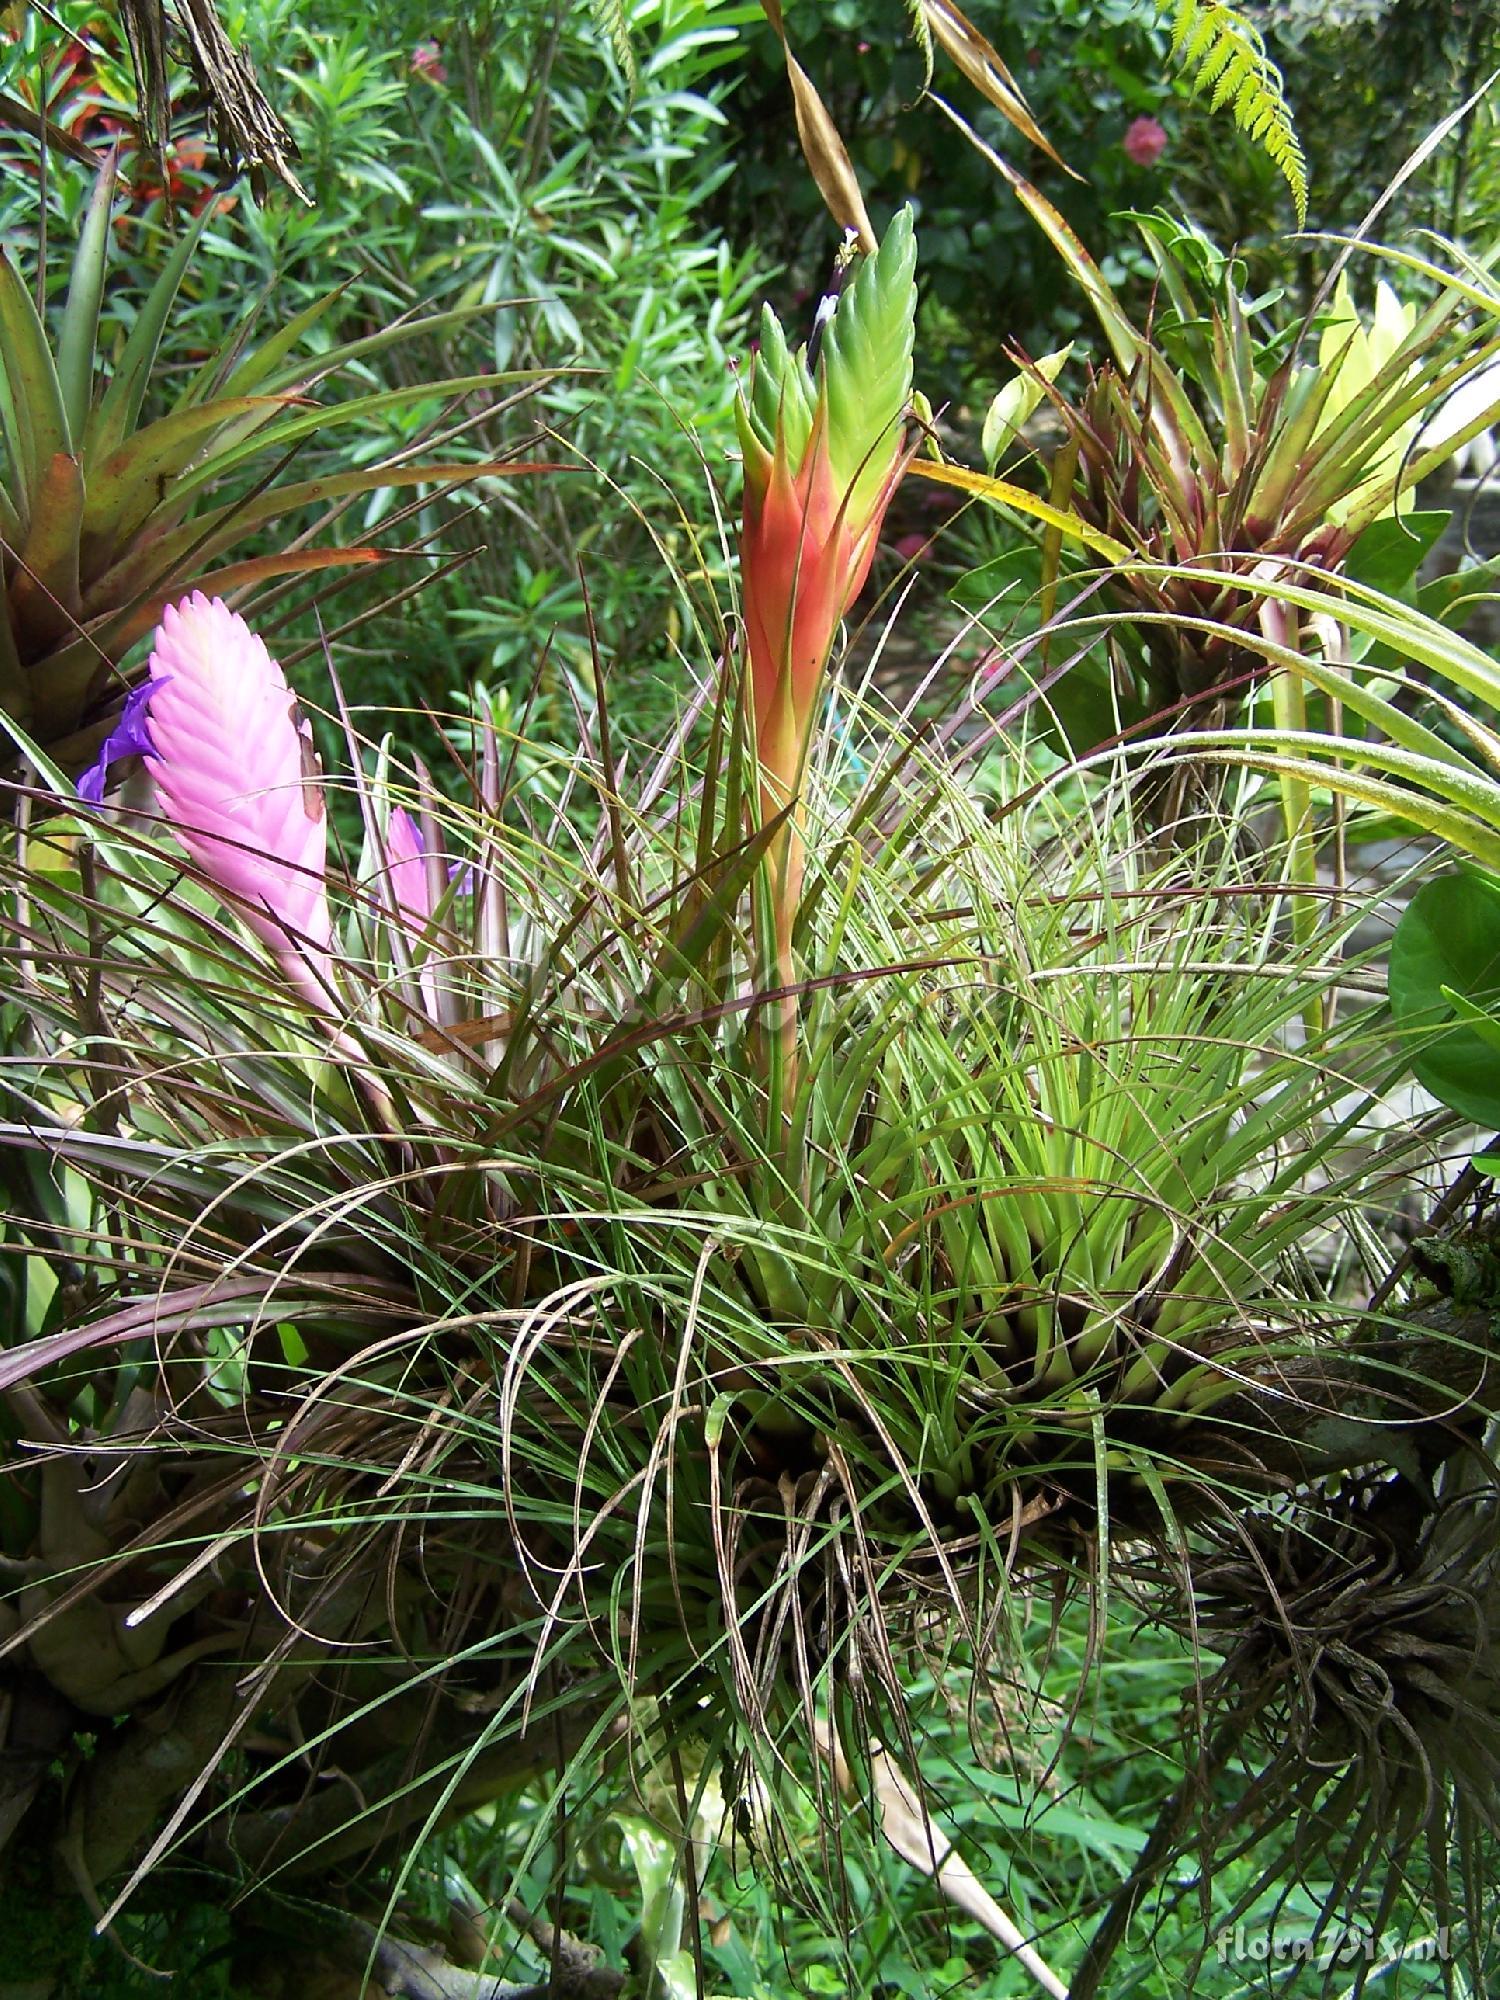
<point x="804" y="557"/>
<point x="823" y="455"/>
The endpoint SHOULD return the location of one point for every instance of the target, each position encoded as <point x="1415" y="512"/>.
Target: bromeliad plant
<point x="113" y="502"/>
<point x="455" y="1350"/>
<point x="824" y="447"/>
<point x="1209" y="456"/>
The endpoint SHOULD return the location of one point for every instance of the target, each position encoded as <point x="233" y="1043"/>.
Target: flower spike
<point x="823" y="453"/>
<point x="235" y="776"/>
<point x="406" y="869"/>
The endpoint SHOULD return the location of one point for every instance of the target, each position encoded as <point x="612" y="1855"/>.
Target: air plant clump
<point x="516" y="1336"/>
<point x="1354" y="1712"/>
<point x="703" y="1433"/>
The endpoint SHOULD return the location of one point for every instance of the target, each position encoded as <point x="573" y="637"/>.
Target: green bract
<point x="862" y="381"/>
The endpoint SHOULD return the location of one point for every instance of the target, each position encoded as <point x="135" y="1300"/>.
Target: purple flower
<point x="128" y="738"/>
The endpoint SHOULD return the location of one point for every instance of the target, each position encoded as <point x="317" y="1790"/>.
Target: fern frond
<point x="612" y="23"/>
<point x="1225" y="58"/>
<point x="921" y="34"/>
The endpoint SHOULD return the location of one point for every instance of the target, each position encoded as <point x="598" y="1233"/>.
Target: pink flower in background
<point x="235" y="776"/>
<point x="1145" y="141"/>
<point x="427" y="60"/>
<point x="406" y="868"/>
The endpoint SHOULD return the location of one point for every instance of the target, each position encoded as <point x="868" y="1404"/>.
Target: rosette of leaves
<point x="1215" y="456"/>
<point x="1353" y="1710"/>
<point x="1341" y="1735"/>
<point x="115" y="499"/>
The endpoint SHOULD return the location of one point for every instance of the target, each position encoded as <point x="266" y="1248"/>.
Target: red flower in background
<point x="427" y="60"/>
<point x="189" y="184"/>
<point x="1145" y="141"/>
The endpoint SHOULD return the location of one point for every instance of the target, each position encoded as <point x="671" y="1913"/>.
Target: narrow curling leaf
<point x="235" y="776"/>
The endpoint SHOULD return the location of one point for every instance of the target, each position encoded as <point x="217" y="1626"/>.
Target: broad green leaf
<point x="128" y="485"/>
<point x="35" y="403"/>
<point x="119" y="412"/>
<point x="1441" y="596"/>
<point x="1391" y="550"/>
<point x="1017" y="401"/>
<point x="80" y="324"/>
<point x="44" y="599"/>
<point x="1447" y="945"/>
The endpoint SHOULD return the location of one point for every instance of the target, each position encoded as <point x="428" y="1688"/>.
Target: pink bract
<point x="236" y="779"/>
<point x="406" y="868"/>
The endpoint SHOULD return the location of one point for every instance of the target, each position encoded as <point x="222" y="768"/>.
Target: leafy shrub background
<point x="532" y="178"/>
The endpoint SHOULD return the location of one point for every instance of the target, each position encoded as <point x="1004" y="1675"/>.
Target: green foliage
<point x="110" y="508"/>
<point x="1445" y="986"/>
<point x="508" y="1450"/>
<point x="1217" y="445"/>
<point x="1364" y="82"/>
<point x="665" y="1412"/>
<point x="1088" y="68"/>
<point x="577" y="243"/>
<point x="1226" y="55"/>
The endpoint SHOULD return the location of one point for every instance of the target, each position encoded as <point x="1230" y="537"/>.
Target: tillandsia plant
<point x="1215" y="445"/>
<point x="487" y="1397"/>
<point x="111" y="506"/>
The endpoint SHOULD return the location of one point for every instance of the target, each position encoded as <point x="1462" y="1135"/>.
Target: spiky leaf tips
<point x="1225" y="57"/>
